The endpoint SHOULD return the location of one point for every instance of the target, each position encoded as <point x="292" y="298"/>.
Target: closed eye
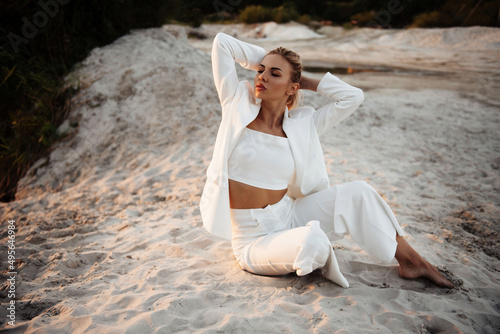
<point x="272" y="73"/>
<point x="274" y="70"/>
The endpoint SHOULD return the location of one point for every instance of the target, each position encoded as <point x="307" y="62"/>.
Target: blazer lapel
<point x="243" y="115"/>
<point x="298" y="132"/>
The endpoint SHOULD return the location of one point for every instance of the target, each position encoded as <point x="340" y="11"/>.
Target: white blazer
<point x="240" y="107"/>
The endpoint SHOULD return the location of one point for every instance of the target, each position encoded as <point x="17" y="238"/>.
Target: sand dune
<point x="109" y="236"/>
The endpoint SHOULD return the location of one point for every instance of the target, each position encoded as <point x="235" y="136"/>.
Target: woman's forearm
<point x="227" y="50"/>
<point x="309" y="83"/>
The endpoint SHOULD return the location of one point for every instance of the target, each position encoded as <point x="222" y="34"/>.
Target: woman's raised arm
<point x="345" y="100"/>
<point x="308" y="83"/>
<point x="227" y="50"/>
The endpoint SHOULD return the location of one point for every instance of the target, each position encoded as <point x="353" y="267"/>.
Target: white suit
<point x="302" y="127"/>
<point x="240" y="107"/>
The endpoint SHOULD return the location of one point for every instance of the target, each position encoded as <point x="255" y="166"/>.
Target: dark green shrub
<point x="363" y="18"/>
<point x="285" y="14"/>
<point x="427" y="20"/>
<point x="305" y="19"/>
<point x="33" y="65"/>
<point x="255" y="14"/>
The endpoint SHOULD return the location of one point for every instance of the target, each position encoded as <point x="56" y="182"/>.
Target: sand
<point x="109" y="237"/>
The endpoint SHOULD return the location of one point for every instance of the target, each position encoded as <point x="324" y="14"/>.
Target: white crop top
<point x="261" y="160"/>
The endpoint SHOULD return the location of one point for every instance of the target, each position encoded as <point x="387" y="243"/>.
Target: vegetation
<point x="41" y="41"/>
<point x="460" y="13"/>
<point x="377" y="13"/>
<point x="281" y="14"/>
<point x="254" y="14"/>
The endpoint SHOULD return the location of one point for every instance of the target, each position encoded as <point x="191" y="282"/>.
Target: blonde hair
<point x="294" y="60"/>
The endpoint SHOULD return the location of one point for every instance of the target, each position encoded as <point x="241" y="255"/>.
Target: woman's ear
<point x="293" y="88"/>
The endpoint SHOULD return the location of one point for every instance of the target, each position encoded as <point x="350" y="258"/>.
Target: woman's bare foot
<point x="413" y="265"/>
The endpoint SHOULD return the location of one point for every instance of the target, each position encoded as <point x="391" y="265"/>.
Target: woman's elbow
<point x="220" y="37"/>
<point x="359" y="97"/>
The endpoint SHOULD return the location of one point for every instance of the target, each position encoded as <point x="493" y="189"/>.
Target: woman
<point x="267" y="188"/>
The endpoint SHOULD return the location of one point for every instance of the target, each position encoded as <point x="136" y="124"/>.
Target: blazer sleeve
<point x="346" y="99"/>
<point x="227" y="50"/>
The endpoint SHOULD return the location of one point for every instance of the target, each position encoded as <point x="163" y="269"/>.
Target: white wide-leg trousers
<point x="294" y="235"/>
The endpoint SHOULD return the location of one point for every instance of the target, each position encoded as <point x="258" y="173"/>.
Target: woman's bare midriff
<point x="243" y="196"/>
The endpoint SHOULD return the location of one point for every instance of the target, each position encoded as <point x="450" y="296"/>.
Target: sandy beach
<point x="108" y="233"/>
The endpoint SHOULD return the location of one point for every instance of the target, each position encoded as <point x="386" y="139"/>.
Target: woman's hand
<point x="308" y="83"/>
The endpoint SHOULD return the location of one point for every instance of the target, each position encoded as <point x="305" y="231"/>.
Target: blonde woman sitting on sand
<point x="267" y="187"/>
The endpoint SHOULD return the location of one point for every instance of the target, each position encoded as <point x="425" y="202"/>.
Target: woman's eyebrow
<point x="272" y="68"/>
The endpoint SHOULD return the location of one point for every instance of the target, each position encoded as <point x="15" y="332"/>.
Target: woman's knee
<point x="362" y="186"/>
<point x="314" y="249"/>
<point x="360" y="189"/>
<point x="314" y="238"/>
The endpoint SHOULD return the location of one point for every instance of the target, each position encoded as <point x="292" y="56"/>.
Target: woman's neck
<point x="271" y="114"/>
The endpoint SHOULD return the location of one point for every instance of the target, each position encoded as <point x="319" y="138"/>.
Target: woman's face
<point x="272" y="81"/>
